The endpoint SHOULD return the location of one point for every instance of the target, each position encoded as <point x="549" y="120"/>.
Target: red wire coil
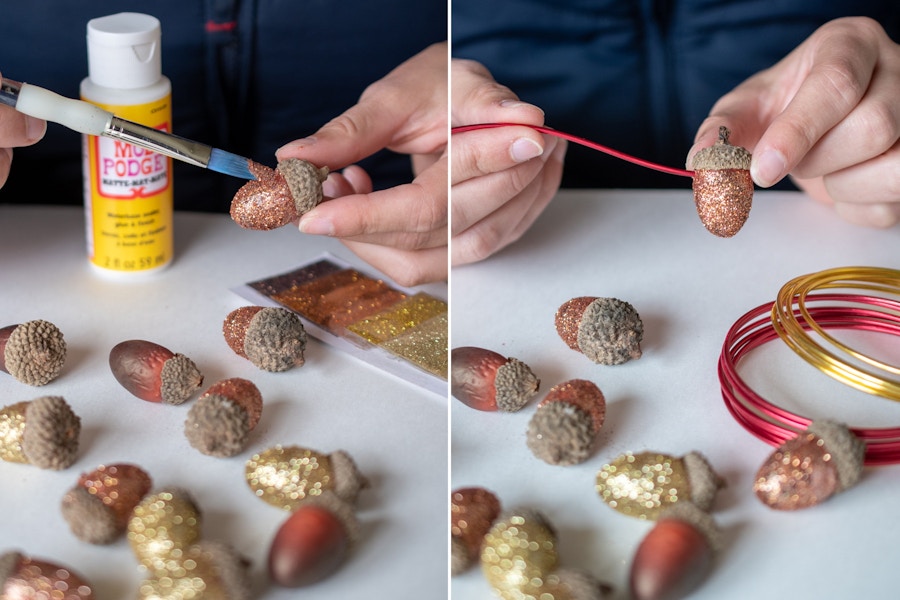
<point x="775" y="425"/>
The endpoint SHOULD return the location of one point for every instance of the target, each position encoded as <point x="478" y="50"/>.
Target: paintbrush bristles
<point x="229" y="164"/>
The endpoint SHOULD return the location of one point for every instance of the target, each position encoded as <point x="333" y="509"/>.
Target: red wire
<point x="584" y="142"/>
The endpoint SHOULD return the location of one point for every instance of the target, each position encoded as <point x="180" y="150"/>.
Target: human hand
<point x="500" y="179"/>
<point x="16" y="130"/>
<point x="402" y="231"/>
<point x="827" y="114"/>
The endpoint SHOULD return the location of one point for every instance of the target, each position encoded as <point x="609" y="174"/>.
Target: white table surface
<point x="649" y="249"/>
<point x="396" y="432"/>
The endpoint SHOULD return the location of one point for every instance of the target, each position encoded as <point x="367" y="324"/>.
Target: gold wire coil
<point x="786" y="320"/>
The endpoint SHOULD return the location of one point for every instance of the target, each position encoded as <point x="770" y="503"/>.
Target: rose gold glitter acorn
<point x="313" y="542"/>
<point x="220" y="421"/>
<point x="486" y="380"/>
<point x="472" y="513"/>
<point x="278" y="196"/>
<point x="723" y="189"/>
<point x="24" y="578"/>
<point x="33" y="352"/>
<point x="98" y="507"/>
<point x="162" y="526"/>
<point x="676" y="555"/>
<point x="824" y="460"/>
<point x="566" y="424"/>
<point x="285" y="476"/>
<point x="272" y="338"/>
<point x="203" y="571"/>
<point x="606" y="330"/>
<point x="154" y="373"/>
<point x="519" y="553"/>
<point x="43" y="432"/>
<point x="641" y="485"/>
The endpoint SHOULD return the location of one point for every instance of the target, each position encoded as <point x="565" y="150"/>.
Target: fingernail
<point x="329" y="188"/>
<point x="519" y="104"/>
<point x="301" y="143"/>
<point x="768" y="168"/>
<point x="316" y="226"/>
<point x="35" y="128"/>
<point x="525" y="149"/>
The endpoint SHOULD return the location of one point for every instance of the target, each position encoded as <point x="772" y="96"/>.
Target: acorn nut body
<point x="723" y="188"/>
<point x="278" y="196"/>
<point x="153" y="372"/>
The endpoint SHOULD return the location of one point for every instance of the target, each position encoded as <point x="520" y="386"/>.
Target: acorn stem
<point x="723" y="135"/>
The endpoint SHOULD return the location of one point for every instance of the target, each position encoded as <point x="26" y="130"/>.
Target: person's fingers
<point x="875" y="181"/>
<point x="477" y="98"/>
<point x="487" y="151"/>
<point x="406" y="267"/>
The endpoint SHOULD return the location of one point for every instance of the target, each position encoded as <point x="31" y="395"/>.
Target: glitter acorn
<point x="24" y="578"/>
<point x="641" y="485"/>
<point x="486" y="380"/>
<point x="313" y="542"/>
<point x="278" y="196"/>
<point x="32" y="352"/>
<point x="723" y="189"/>
<point x="220" y="421"/>
<point x="163" y="524"/>
<point x="285" y="476"/>
<point x="566" y="424"/>
<point x="43" y="432"/>
<point x="472" y="513"/>
<point x="518" y="554"/>
<point x="272" y="338"/>
<point x="824" y="460"/>
<point x="205" y="570"/>
<point x="154" y="373"/>
<point x="606" y="330"/>
<point x="676" y="555"/>
<point x="98" y="507"/>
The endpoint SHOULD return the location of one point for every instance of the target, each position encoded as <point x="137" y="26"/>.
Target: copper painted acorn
<point x="641" y="485"/>
<point x="473" y="511"/>
<point x="163" y="523"/>
<point x="26" y="578"/>
<point x="33" y="352"/>
<point x="220" y="421"/>
<point x="606" y="330"/>
<point x="98" y="507"/>
<point x="519" y="553"/>
<point x="203" y="571"/>
<point x="565" y="426"/>
<point x="723" y="189"/>
<point x="676" y="555"/>
<point x="43" y="432"/>
<point x="272" y="338"/>
<point x="278" y="196"/>
<point x="313" y="542"/>
<point x="810" y="468"/>
<point x="285" y="476"/>
<point x="153" y="372"/>
<point x="487" y="380"/>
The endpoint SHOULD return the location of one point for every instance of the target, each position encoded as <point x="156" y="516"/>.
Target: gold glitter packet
<point x="398" y="330"/>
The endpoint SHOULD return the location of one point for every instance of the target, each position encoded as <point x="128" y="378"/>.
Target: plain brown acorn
<point x="723" y="189"/>
<point x="608" y="331"/>
<point x="220" y="421"/>
<point x="486" y="380"/>
<point x="33" y="352"/>
<point x="272" y="338"/>
<point x="154" y="373"/>
<point x="98" y="507"/>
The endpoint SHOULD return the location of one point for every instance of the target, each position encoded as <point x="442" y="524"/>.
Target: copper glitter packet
<point x="401" y="331"/>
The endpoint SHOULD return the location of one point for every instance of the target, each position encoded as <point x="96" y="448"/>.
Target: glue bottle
<point x="127" y="189"/>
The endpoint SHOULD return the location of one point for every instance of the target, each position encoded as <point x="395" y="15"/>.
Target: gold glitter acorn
<point x="26" y="578"/>
<point x="606" y="330"/>
<point x="313" y="542"/>
<point x="472" y="513"/>
<point x="272" y="338"/>
<point x="43" y="432"/>
<point x="98" y="507"/>
<point x="519" y="552"/>
<point x="154" y="373"/>
<point x="566" y="424"/>
<point x="278" y="196"/>
<point x="162" y="525"/>
<point x="284" y="476"/>
<point x="203" y="571"/>
<point x="723" y="189"/>
<point x="33" y="352"/>
<point x="220" y="421"/>
<point x="486" y="380"/>
<point x="676" y="555"/>
<point x="824" y="460"/>
<point x="641" y="485"/>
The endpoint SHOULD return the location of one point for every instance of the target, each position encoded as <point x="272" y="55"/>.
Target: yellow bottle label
<point x="129" y="199"/>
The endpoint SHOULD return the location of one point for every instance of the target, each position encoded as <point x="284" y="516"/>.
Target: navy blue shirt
<point x="247" y="76"/>
<point x="639" y="76"/>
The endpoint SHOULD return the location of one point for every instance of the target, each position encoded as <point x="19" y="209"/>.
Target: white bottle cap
<point x="124" y="51"/>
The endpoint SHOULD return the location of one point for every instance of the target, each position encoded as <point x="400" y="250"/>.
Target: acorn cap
<point x="516" y="384"/>
<point x="33" y="352"/>
<point x="340" y="508"/>
<point x="89" y="519"/>
<point x="179" y="379"/>
<point x="700" y="519"/>
<point x="348" y="481"/>
<point x="702" y="479"/>
<point x="610" y="332"/>
<point x="305" y="182"/>
<point x="50" y="438"/>
<point x="275" y="340"/>
<point x="580" y="585"/>
<point x="581" y="393"/>
<point x="721" y="155"/>
<point x="217" y="426"/>
<point x="460" y="561"/>
<point x="231" y="567"/>
<point x="847" y="451"/>
<point x="9" y="562"/>
<point x="560" y="433"/>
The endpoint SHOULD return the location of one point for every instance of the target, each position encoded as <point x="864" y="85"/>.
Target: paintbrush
<point x="87" y="118"/>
